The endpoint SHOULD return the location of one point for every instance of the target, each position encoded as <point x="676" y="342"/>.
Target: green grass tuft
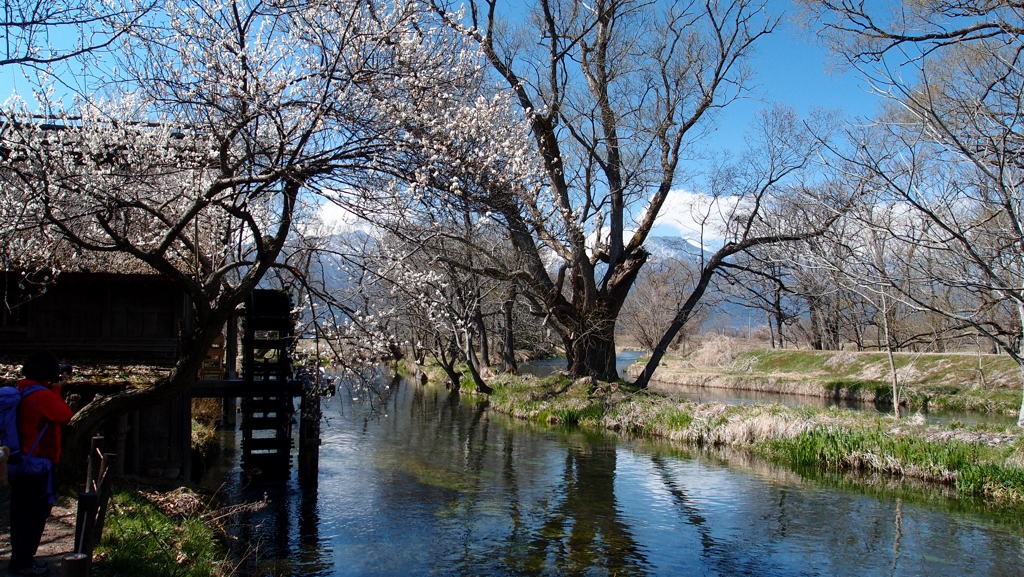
<point x="141" y="541"/>
<point x="975" y="469"/>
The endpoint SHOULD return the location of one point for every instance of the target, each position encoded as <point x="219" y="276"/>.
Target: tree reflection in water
<point x="583" y="530"/>
<point x="418" y="482"/>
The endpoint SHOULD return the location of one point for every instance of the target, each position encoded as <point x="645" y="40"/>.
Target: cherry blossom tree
<point x="444" y="299"/>
<point x="192" y="159"/>
<point x="611" y="93"/>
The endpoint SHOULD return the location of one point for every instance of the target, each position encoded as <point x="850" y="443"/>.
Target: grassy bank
<point x="947" y="381"/>
<point x="984" y="462"/>
<point x="160" y="535"/>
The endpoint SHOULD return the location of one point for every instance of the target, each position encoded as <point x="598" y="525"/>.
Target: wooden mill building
<point x="135" y="319"/>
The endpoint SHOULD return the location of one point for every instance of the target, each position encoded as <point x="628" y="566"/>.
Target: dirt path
<point x="58" y="538"/>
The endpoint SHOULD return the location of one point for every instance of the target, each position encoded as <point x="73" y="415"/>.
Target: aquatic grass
<point x="976" y="400"/>
<point x="839" y="387"/>
<point x="578" y="413"/>
<point x="438" y="477"/>
<point x="993" y="481"/>
<point x="623" y="409"/>
<point x="142" y="541"/>
<point x="678" y="420"/>
<point x="973" y="468"/>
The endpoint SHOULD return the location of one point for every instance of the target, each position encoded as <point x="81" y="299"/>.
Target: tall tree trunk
<point x="815" y="316"/>
<point x="1020" y="324"/>
<point x="894" y="378"/>
<point x="593" y="353"/>
<point x="508" y="353"/>
<point x="590" y="342"/>
<point x="779" y="318"/>
<point x="446" y="358"/>
<point x="472" y="363"/>
<point x="481" y="329"/>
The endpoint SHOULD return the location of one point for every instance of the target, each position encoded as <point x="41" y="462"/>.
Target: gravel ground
<point x="58" y="538"/>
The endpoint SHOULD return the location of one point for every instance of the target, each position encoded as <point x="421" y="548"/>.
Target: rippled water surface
<point x="416" y="483"/>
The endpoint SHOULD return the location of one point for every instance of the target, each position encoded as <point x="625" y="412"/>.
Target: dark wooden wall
<point x="94" y="316"/>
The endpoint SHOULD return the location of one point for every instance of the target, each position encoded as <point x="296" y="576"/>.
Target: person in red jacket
<point x="41" y="415"/>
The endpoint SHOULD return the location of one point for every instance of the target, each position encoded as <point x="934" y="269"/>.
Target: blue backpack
<point x="17" y="462"/>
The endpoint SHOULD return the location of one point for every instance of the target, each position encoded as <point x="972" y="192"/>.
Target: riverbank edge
<point x="914" y="395"/>
<point x="155" y="532"/>
<point x="984" y="463"/>
<point x="148" y="532"/>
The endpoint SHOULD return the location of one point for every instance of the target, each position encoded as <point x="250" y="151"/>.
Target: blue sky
<point x="791" y="68"/>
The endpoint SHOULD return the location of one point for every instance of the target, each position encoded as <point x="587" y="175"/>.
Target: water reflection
<point x="545" y="367"/>
<point x="583" y="528"/>
<point x="440" y="486"/>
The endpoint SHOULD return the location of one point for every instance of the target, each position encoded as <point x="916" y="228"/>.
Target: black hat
<point x="41" y="366"/>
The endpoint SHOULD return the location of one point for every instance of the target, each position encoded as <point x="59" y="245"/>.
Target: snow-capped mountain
<point x="674" y="247"/>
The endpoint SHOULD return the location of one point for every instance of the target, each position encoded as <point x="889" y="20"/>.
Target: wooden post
<point x="92" y="511"/>
<point x="230" y="404"/>
<point x="90" y="463"/>
<point x="74" y="565"/>
<point x="104" y="491"/>
<point x="88" y="503"/>
<point x="309" y="433"/>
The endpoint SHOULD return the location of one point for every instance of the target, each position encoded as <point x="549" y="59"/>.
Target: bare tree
<point x="774" y="204"/>
<point x="40" y="33"/>
<point x="612" y="94"/>
<point x="949" y="148"/>
<point x="659" y="291"/>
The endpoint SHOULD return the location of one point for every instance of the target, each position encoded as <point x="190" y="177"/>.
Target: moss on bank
<point x="984" y="462"/>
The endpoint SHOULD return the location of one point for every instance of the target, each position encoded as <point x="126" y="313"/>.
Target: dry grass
<point x="206" y="417"/>
<point x="841" y="360"/>
<point x="755" y="428"/>
<point x="954" y="381"/>
<point x="717" y="351"/>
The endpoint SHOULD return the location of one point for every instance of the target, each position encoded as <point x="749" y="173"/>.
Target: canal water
<point x="414" y="482"/>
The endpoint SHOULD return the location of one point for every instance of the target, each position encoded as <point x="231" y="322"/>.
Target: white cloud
<point x="700" y="219"/>
<point x="696" y="217"/>
<point x="337" y="220"/>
